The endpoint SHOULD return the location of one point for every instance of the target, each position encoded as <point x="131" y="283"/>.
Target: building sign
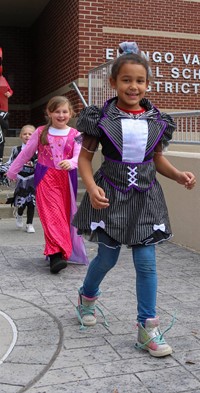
<point x="189" y="72"/>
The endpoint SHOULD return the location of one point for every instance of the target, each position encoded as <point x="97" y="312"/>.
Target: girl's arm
<point x="74" y="160"/>
<point x="71" y="163"/>
<point x="165" y="168"/>
<point x="24" y="156"/>
<point x="96" y="194"/>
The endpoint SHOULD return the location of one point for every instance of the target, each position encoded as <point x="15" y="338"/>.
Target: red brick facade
<point x="70" y="38"/>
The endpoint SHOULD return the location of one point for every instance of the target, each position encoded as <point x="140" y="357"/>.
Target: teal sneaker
<point x="86" y="311"/>
<point x="151" y="339"/>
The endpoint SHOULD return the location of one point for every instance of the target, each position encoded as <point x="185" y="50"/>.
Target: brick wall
<point x="55" y="50"/>
<point x="177" y="16"/>
<point x="70" y="39"/>
<point x="55" y="47"/>
<point x="175" y="85"/>
<point x="182" y="17"/>
<point x="165" y="99"/>
<point x="90" y="35"/>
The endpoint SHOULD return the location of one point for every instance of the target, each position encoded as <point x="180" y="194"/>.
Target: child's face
<point x="60" y="117"/>
<point x="26" y="134"/>
<point x="131" y="85"/>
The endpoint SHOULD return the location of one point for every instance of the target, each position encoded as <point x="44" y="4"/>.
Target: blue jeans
<point x="146" y="276"/>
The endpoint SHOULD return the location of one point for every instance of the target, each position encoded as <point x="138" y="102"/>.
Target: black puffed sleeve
<point x="87" y="124"/>
<point x="171" y="126"/>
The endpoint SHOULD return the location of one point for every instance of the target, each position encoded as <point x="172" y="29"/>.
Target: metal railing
<point x="187" y="127"/>
<point x="99" y="90"/>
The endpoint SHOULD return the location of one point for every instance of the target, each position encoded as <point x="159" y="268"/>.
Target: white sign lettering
<point x="174" y="82"/>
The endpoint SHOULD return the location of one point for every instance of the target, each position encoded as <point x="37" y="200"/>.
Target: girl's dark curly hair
<point x="129" y="58"/>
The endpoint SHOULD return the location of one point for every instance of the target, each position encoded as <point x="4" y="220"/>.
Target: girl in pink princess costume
<point x="55" y="183"/>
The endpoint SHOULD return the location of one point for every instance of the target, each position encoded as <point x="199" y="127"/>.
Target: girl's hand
<point x="187" y="179"/>
<point x="9" y="181"/>
<point x="97" y="198"/>
<point x="64" y="164"/>
<point x="29" y="163"/>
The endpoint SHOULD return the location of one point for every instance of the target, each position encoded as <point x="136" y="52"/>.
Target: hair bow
<point x="128" y="47"/>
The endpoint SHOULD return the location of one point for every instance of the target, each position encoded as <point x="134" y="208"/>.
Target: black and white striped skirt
<point x="132" y="218"/>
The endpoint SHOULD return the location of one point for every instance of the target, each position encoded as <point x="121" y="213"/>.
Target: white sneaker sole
<point x="89" y="323"/>
<point x="156" y="354"/>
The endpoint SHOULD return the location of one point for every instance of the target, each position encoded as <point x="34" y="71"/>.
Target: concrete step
<point x="80" y="194"/>
<point x="12" y="141"/>
<point x="4" y="194"/>
<point x="80" y="183"/>
<point x="7" y="152"/>
<point x="6" y="211"/>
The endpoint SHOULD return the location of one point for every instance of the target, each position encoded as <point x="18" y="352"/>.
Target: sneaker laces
<point x="158" y="338"/>
<point x="82" y="310"/>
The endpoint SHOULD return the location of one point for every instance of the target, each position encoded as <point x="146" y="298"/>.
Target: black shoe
<point x="57" y="263"/>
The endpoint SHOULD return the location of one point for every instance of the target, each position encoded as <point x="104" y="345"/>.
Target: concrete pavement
<point x="42" y="349"/>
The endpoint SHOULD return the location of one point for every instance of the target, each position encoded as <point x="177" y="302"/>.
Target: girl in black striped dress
<point x="124" y="202"/>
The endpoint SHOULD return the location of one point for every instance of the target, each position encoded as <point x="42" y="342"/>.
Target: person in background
<point x="5" y="93"/>
<point x="24" y="194"/>
<point x="58" y="154"/>
<point x="124" y="202"/>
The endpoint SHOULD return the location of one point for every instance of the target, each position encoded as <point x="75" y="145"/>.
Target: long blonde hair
<point x="51" y="107"/>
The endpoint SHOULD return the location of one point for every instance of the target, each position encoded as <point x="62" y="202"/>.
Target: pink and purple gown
<point x="55" y="190"/>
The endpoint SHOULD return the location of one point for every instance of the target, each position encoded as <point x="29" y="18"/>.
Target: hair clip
<point x="128" y="47"/>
